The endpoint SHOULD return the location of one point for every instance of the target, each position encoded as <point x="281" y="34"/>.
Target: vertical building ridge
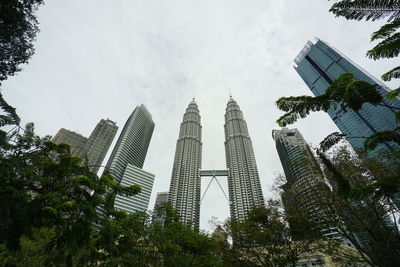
<point x="127" y="158"/>
<point x="304" y="181"/>
<point x="98" y="143"/>
<point x="184" y="192"/>
<point x="243" y="179"/>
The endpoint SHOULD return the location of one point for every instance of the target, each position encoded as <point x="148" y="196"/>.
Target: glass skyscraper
<point x="98" y="143"/>
<point x="318" y="65"/>
<point x="126" y="161"/>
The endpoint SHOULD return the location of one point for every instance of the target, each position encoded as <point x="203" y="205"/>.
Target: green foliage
<point x="394" y="94"/>
<point x="367" y="9"/>
<point x="388" y="48"/>
<point x="300" y="107"/>
<point x="18" y="28"/>
<point x="386" y="30"/>
<point x="392" y="74"/>
<point x="381" y="137"/>
<point x="343" y="185"/>
<point x="366" y="207"/>
<point x="331" y="140"/>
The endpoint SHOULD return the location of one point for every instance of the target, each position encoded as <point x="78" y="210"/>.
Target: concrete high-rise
<point x="75" y="140"/>
<point x="93" y="149"/>
<point x="126" y="161"/>
<point x="98" y="143"/>
<point x="243" y="179"/>
<point x="318" y="65"/>
<point x="304" y="182"/>
<point x="161" y="198"/>
<point x="184" y="192"/>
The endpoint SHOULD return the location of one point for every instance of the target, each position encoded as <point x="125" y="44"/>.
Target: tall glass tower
<point x="98" y="143"/>
<point x="318" y="65"/>
<point x="127" y="159"/>
<point x="243" y="180"/>
<point x="184" y="191"/>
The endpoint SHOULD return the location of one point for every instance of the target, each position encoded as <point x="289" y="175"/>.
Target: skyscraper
<point x="318" y="65"/>
<point x="184" y="192"/>
<point x="127" y="159"/>
<point x="92" y="149"/>
<point x="304" y="182"/>
<point x="98" y="143"/>
<point x="243" y="180"/>
<point x="75" y="140"/>
<point x="161" y="198"/>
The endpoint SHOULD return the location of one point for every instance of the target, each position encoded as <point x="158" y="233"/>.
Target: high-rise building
<point x="304" y="181"/>
<point x="318" y="65"/>
<point x="243" y="179"/>
<point x="92" y="149"/>
<point x="98" y="143"/>
<point x="184" y="192"/>
<point x="161" y="198"/>
<point x="140" y="202"/>
<point x="75" y="140"/>
<point x="127" y="159"/>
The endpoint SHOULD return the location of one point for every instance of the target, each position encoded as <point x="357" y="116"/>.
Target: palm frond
<point x="367" y="9"/>
<point x="388" y="48"/>
<point x="331" y="140"/>
<point x="392" y="74"/>
<point x="394" y="94"/>
<point x="386" y="30"/>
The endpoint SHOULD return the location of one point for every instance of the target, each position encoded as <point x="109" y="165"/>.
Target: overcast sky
<point x="100" y="59"/>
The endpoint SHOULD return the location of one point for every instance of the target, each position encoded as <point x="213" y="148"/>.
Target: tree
<point x="42" y="186"/>
<point x="178" y="244"/>
<point x="367" y="9"/>
<point x="373" y="10"/>
<point x="367" y="220"/>
<point x="265" y="239"/>
<point x="18" y="29"/>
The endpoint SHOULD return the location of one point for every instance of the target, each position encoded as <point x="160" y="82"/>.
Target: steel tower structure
<point x="184" y="192"/>
<point x="243" y="179"/>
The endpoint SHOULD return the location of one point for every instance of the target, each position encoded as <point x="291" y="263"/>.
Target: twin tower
<point x="243" y="180"/>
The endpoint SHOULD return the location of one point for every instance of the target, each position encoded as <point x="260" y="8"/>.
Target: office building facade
<point x="243" y="180"/>
<point x="127" y="159"/>
<point x="184" y="191"/>
<point x="98" y="143"/>
<point x="304" y="182"/>
<point x="318" y="64"/>
<point x="93" y="149"/>
<point x="75" y="140"/>
<point x="161" y="198"/>
<point x="140" y="202"/>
